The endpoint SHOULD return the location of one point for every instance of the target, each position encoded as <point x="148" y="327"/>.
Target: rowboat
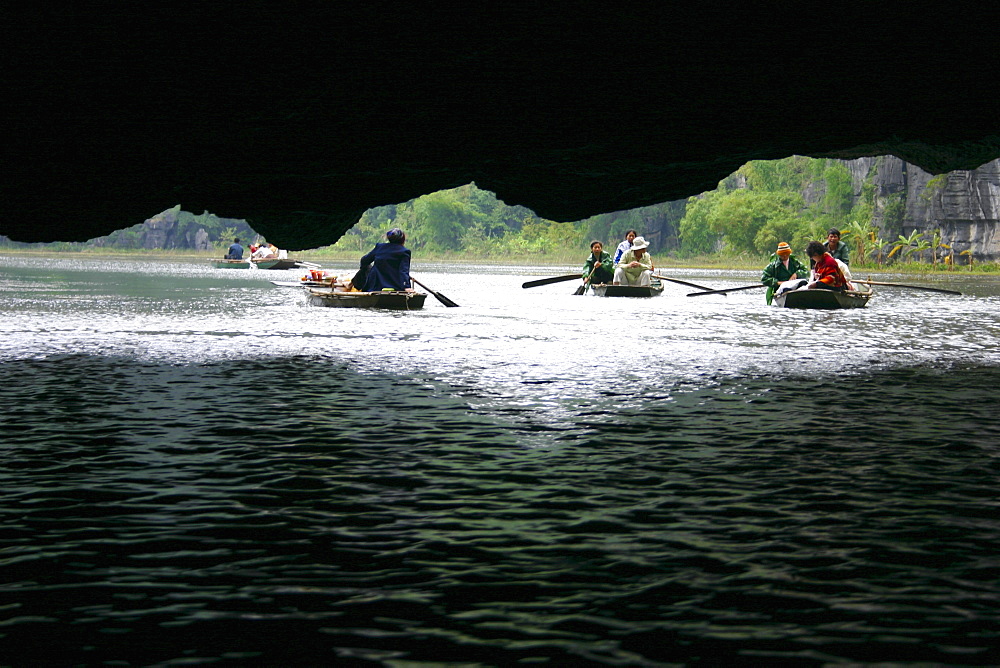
<point x="267" y="263"/>
<point x="277" y="263"/>
<point x="605" y="290"/>
<point x="822" y="299"/>
<point x="231" y="264"/>
<point x="301" y="284"/>
<point x="400" y="301"/>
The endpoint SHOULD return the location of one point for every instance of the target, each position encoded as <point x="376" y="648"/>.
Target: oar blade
<point x="724" y="291"/>
<point x="911" y="287"/>
<point x="437" y="295"/>
<point x="550" y="280"/>
<point x="680" y="282"/>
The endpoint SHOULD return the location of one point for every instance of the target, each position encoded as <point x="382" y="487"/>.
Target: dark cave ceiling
<point x="299" y="120"/>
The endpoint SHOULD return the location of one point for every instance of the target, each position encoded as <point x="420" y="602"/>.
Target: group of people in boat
<point x="259" y="251"/>
<point x="828" y="269"/>
<point x="631" y="264"/>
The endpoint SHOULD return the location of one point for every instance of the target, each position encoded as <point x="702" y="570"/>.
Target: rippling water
<point x="198" y="467"/>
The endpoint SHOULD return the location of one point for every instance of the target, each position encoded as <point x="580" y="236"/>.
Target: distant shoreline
<point x="555" y="260"/>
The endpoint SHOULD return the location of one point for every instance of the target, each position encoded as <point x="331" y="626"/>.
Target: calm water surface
<point x="198" y="467"/>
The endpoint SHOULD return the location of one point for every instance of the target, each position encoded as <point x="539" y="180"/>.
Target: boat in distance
<point x="822" y="299"/>
<point x="394" y="300"/>
<point x="266" y="263"/>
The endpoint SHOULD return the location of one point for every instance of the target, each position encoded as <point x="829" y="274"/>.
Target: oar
<point x="674" y="280"/>
<point x="551" y="279"/>
<point x="912" y="287"/>
<point x="437" y="295"/>
<point x="722" y="292"/>
<point x="583" y="288"/>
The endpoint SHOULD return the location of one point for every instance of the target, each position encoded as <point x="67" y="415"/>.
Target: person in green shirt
<point x="598" y="268"/>
<point x="835" y="247"/>
<point x="783" y="268"/>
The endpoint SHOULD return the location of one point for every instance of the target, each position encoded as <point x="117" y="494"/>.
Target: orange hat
<point x="784" y="249"/>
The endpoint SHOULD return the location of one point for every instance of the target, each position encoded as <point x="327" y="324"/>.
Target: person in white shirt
<point x="624" y="246"/>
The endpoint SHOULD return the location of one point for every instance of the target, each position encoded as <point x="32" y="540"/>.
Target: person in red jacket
<point x="826" y="271"/>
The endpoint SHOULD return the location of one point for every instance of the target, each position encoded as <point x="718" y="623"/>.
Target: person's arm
<point x="588" y="267"/>
<point x="646" y="262"/>
<point x="368" y="258"/>
<point x="767" y="276"/>
<point x="404" y="269"/>
<point x="618" y="254"/>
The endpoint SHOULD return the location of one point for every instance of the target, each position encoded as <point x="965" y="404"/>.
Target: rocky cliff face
<point x="174" y="228"/>
<point x="964" y="205"/>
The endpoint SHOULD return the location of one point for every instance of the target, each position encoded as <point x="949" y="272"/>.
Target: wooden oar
<point x="722" y="292"/>
<point x="583" y="288"/>
<point x="437" y="295"/>
<point x="674" y="280"/>
<point x="551" y="279"/>
<point x="912" y="287"/>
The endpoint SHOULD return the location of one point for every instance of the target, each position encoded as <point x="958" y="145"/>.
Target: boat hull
<point x="821" y="299"/>
<point x="276" y="263"/>
<point x="399" y="301"/>
<point x="268" y="263"/>
<point x="231" y="264"/>
<point x="605" y="290"/>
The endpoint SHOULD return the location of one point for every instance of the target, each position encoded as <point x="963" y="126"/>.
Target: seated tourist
<point x="636" y="265"/>
<point x="826" y="272"/>
<point x="625" y="245"/>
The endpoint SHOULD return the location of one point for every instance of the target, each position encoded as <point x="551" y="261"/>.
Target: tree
<point x="906" y="244"/>
<point x="697" y="237"/>
<point x="440" y="221"/>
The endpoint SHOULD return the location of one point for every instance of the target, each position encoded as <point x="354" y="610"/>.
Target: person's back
<point x="235" y="251"/>
<point x="387" y="266"/>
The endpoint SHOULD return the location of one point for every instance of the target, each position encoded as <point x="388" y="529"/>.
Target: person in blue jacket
<point x="387" y="266"/>
<point x="235" y="251"/>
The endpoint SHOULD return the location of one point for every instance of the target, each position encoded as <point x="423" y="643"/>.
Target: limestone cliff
<point x="964" y="205"/>
<point x="177" y="229"/>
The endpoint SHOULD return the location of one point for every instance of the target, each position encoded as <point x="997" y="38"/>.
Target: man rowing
<point x="783" y="268"/>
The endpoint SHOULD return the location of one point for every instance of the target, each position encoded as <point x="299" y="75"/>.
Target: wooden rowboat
<point x="231" y="264"/>
<point x="822" y="299"/>
<point x="267" y="263"/>
<point x="400" y="301"/>
<point x="605" y="290"/>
